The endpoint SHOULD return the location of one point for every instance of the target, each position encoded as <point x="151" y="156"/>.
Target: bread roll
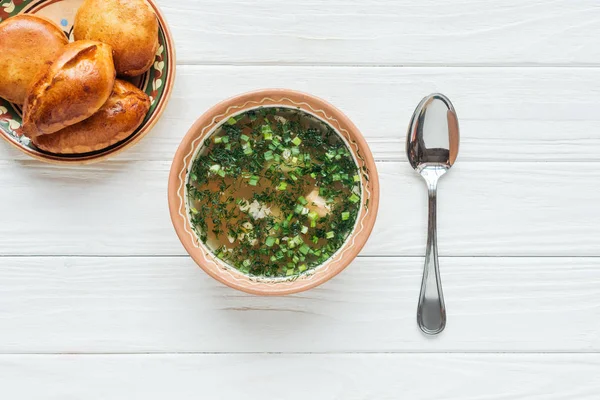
<point x="27" y="42"/>
<point x="118" y="118"/>
<point x="129" y="26"/>
<point x="70" y="89"/>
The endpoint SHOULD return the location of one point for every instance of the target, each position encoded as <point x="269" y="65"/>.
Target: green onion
<point x="231" y="121"/>
<point x="270" y="241"/>
<point x="221" y="173"/>
<point x="304" y="249"/>
<point x="193" y="210"/>
<point x="356" y="178"/>
<point x="304" y="229"/>
<point x="215" y="168"/>
<point x="218" y="139"/>
<point x="253" y="180"/>
<point x="336" y="177"/>
<point x="295" y="150"/>
<point x="299" y="208"/>
<point x="315" y="239"/>
<point x="302" y="200"/>
<point x="267" y="132"/>
<point x="289" y="272"/>
<point x="354" y="198"/>
<point x="248" y="151"/>
<point x="330" y="235"/>
<point x="244" y="138"/>
<point x="225" y="139"/>
<point x="345" y="215"/>
<point x="313" y="215"/>
<point x="297" y="141"/>
<point x="302" y="268"/>
<point x="268" y="155"/>
<point x="282" y="186"/>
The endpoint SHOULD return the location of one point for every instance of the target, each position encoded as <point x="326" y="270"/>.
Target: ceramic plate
<point x="157" y="82"/>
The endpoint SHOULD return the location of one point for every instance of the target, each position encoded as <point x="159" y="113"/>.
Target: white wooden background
<point x="98" y="299"/>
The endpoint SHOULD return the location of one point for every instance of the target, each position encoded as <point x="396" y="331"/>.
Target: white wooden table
<point x="98" y="299"/>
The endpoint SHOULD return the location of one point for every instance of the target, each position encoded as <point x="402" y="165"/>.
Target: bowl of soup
<point x="273" y="192"/>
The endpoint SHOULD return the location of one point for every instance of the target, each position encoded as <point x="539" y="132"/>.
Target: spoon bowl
<point x="432" y="148"/>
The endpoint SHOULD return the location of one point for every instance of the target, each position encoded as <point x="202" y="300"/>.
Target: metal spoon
<point x="432" y="147"/>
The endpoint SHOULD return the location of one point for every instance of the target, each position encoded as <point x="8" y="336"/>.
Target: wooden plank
<point x="385" y="32"/>
<point x="164" y="305"/>
<point x="526" y="114"/>
<point x="486" y="209"/>
<point x="506" y="114"/>
<point x="290" y="377"/>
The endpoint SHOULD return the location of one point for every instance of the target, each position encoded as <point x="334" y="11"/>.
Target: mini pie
<point x="118" y="118"/>
<point x="129" y="26"/>
<point x="70" y="89"/>
<point x="27" y="42"/>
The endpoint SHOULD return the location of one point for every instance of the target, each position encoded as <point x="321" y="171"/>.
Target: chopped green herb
<point x="274" y="191"/>
<point x="253" y="181"/>
<point x="304" y="249"/>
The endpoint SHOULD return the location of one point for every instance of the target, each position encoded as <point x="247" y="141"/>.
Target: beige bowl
<point x="206" y="125"/>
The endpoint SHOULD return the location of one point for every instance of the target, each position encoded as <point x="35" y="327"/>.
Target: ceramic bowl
<point x="206" y="125"/>
<point x="157" y="82"/>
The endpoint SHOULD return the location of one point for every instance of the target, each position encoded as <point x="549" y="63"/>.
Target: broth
<point x="274" y="192"/>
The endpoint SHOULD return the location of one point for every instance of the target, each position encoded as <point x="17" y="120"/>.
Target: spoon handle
<point x="431" y="313"/>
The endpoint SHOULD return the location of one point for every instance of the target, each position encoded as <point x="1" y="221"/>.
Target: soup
<point x="274" y="192"/>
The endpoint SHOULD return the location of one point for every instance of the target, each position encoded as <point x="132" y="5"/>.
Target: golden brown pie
<point x="27" y="42"/>
<point x="129" y="26"/>
<point x="70" y="89"/>
<point x="118" y="118"/>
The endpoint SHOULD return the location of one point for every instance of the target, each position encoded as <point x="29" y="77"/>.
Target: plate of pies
<point x="82" y="80"/>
